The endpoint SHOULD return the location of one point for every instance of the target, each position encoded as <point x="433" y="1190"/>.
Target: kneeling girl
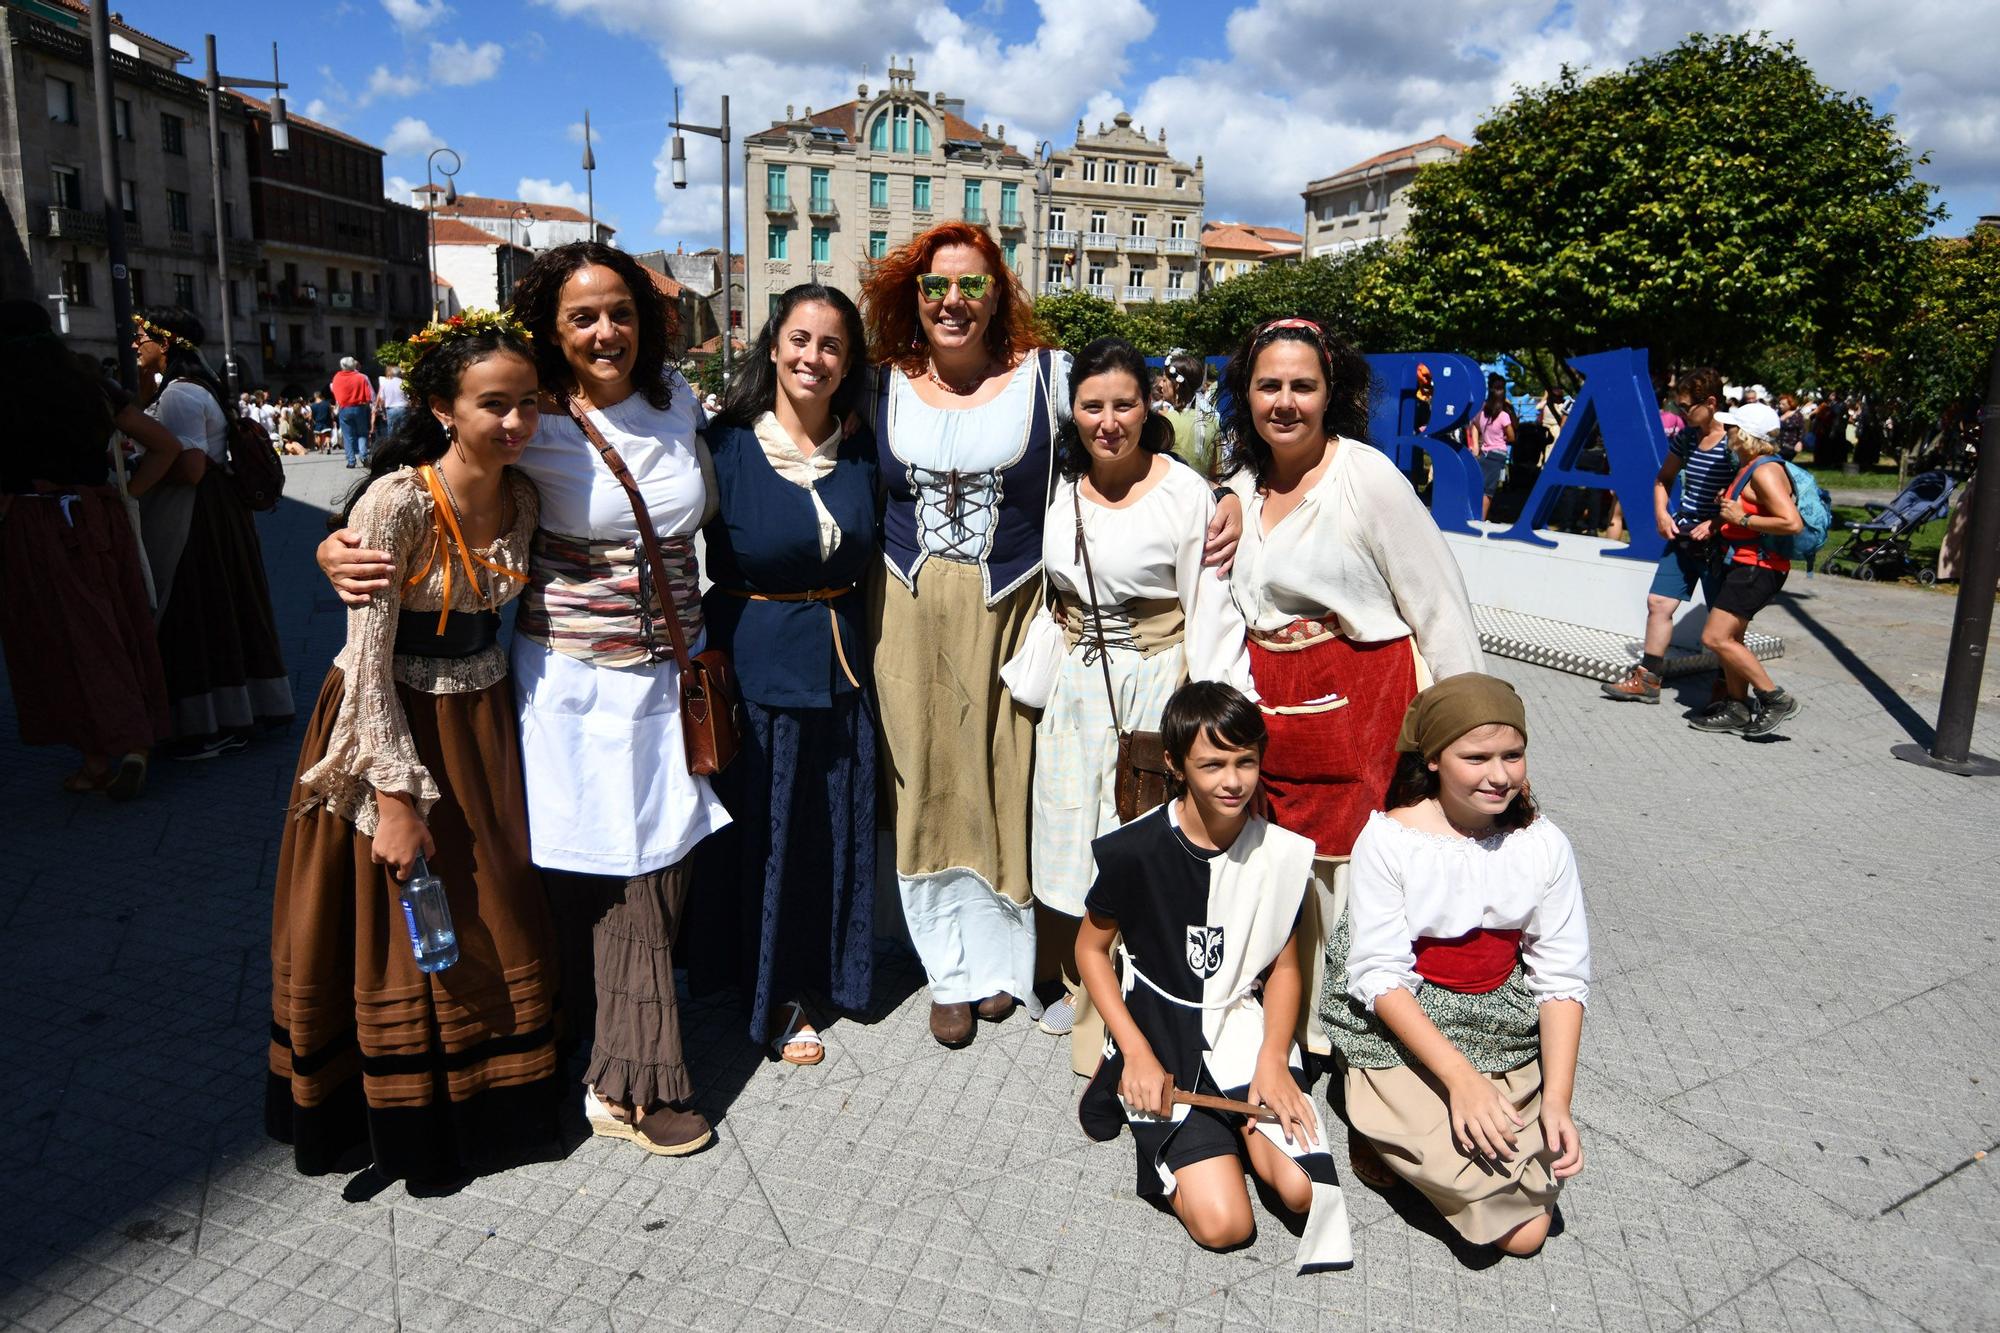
<point x="1457" y="980"/>
<point x="1204" y="897"/>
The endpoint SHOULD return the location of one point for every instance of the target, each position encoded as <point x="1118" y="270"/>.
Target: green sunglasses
<point x="937" y="286"/>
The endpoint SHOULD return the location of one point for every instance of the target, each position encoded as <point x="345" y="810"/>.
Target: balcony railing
<point x="1011" y="219"/>
<point x="1060" y="240"/>
<point x="359" y="303"/>
<point x="75" y="224"/>
<point x="1057" y="285"/>
<point x="299" y="299"/>
<point x="1139" y="294"/>
<point x="779" y="206"/>
<point x="181" y="242"/>
<point x="1180" y="245"/>
<point x="1141" y="245"/>
<point x="1179" y="294"/>
<point x="1099" y="240"/>
<point x="822" y="206"/>
<point x="1103" y="291"/>
<point x="240" y="251"/>
<point x="976" y="215"/>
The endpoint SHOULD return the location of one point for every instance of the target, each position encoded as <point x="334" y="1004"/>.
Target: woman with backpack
<point x="226" y="676"/>
<point x="1759" y="509"/>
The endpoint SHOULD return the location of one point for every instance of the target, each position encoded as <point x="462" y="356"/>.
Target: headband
<point x="466" y="324"/>
<point x="1454" y="706"/>
<point x="154" y="331"/>
<point x="1295" y="322"/>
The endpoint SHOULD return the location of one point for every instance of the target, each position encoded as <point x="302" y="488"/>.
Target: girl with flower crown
<point x="413" y="752"/>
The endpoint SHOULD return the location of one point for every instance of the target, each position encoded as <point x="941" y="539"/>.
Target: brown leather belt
<point x="825" y="595"/>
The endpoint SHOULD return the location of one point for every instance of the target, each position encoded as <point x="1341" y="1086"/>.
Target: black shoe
<point x="228" y="743"/>
<point x="1728" y="715"/>
<point x="1772" y="715"/>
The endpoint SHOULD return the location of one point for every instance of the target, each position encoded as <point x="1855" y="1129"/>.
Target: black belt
<point x="465" y="633"/>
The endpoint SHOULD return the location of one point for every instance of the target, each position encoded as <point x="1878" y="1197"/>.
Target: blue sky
<point x="1270" y="92"/>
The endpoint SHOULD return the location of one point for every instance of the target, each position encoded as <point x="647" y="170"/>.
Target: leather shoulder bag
<point x="711" y="719"/>
<point x="1141" y="781"/>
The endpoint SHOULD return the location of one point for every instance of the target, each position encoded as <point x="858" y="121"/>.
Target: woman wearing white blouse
<point x="1349" y="591"/>
<point x="1163" y="619"/>
<point x="1462" y="968"/>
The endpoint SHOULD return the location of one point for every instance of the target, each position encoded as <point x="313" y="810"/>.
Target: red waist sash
<point x="1473" y="964"/>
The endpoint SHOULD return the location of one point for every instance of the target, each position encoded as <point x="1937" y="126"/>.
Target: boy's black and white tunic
<point x="1198" y="929"/>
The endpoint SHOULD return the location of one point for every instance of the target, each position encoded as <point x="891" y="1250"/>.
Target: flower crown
<point x="464" y="325"/>
<point x="158" y="334"/>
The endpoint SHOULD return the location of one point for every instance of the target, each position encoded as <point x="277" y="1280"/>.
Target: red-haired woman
<point x="965" y="414"/>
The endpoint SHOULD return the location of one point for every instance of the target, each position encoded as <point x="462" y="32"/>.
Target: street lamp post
<point x="430" y="209"/>
<point x="281" y="142"/>
<point x="114" y="206"/>
<point x="1038" y="243"/>
<point x="589" y="175"/>
<point x="680" y="175"/>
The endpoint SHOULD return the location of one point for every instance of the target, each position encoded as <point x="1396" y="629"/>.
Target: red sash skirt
<point x="1326" y="770"/>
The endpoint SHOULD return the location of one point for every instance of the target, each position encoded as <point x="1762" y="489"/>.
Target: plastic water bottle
<point x="428" y="915"/>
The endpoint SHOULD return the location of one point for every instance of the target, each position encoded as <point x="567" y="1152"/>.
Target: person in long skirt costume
<point x="412" y="752"/>
<point x="1138" y="617"/>
<point x="965" y="414"/>
<point x="1201" y="898"/>
<point x="1460" y="974"/>
<point x="789" y="912"/>
<point x="613" y="810"/>
<point x="1352" y="598"/>
<point x="226" y="677"/>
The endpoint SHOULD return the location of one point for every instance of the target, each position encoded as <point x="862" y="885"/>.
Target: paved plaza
<point x="1789" y="1073"/>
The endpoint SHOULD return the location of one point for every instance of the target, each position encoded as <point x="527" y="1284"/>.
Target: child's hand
<point x="1559" y="1132"/>
<point x="1274" y="1087"/>
<point x="1482" y="1120"/>
<point x="1147" y="1087"/>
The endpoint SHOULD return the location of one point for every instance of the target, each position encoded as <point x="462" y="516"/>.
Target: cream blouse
<point x="371" y="749"/>
<point x="1361" y="548"/>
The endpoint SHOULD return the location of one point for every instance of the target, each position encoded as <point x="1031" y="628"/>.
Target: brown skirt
<point x="75" y="624"/>
<point x="1404" y="1112"/>
<point x="434" y="1074"/>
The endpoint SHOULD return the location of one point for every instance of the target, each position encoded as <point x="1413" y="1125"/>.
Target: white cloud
<point x="535" y="190"/>
<point x="575" y="133"/>
<point x="412" y="136"/>
<point x="319" y="110"/>
<point x="457" y="65"/>
<point x="382" y="83"/>
<point x="416" y="15"/>
<point x="397" y="188"/>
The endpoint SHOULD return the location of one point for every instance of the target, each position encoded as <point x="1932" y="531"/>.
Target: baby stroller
<point x="1880" y="546"/>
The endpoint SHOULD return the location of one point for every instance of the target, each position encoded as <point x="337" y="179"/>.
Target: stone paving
<point x="1788" y="1075"/>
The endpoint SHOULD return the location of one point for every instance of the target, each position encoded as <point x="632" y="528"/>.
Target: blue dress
<point x="786" y="908"/>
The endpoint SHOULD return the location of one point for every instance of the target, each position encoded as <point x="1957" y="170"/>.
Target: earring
<point x="451" y="432"/>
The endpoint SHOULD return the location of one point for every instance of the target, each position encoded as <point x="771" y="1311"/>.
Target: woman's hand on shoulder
<point x="1225" y="530"/>
<point x="355" y="572"/>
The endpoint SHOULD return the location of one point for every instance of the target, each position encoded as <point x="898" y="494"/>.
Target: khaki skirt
<point x="1405" y="1114"/>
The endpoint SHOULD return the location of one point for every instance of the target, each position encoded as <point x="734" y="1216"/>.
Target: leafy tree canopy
<point x="1704" y="203"/>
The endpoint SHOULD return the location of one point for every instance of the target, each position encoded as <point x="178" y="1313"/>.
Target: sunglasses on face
<point x="937" y="286"/>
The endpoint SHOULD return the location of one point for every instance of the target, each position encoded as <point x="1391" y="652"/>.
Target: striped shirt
<point x="1704" y="472"/>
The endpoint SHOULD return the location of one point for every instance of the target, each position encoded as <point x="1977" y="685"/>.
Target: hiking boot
<point x="1639" y="686"/>
<point x="1729" y="715"/>
<point x="1773" y="713"/>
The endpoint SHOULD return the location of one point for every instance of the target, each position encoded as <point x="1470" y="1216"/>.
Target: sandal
<point x="83" y="782"/>
<point x="1368" y="1166"/>
<point x="797" y="1032"/>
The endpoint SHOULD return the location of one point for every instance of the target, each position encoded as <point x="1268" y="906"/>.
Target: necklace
<point x="953" y="389"/>
<point x="458" y="510"/>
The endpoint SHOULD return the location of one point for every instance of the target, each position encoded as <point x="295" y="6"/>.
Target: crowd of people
<point x="1186" y="752"/>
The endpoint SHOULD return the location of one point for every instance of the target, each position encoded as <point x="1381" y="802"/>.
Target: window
<point x="878" y="189"/>
<point x="66" y="187"/>
<point x="177" y="210"/>
<point x="1058" y="271"/>
<point x="1056" y="172"/>
<point x="1177" y="228"/>
<point x="777" y="193"/>
<point x="920" y="194"/>
<point x="1180" y="180"/>
<point x="771" y="305"/>
<point x="1353" y="207"/>
<point x="822" y="190"/>
<point x="184" y="290"/>
<point x="974" y="211"/>
<point x="228" y="218"/>
<point x="337" y="339"/>
<point x="1131" y="173"/>
<point x="777" y="243"/>
<point x="1098" y="224"/>
<point x="878" y="245"/>
<point x="921" y="137"/>
<point x="1174" y="279"/>
<point x="1138" y="224"/>
<point x="76" y="282"/>
<point x="1152" y="173"/>
<point x="1010" y="201"/>
<point x="1058" y="219"/>
<point x="136" y="279"/>
<point x="128" y="201"/>
<point x="62" y="101"/>
<point x="1090" y="168"/>
<point x="1097" y="275"/>
<point x="878" y="133"/>
<point x="173" y="135"/>
<point x="295" y="338"/>
<point x="902" y="129"/>
<point x="222" y="149"/>
<point x="121" y="118"/>
<point x="822" y="246"/>
<point x="1008" y="252"/>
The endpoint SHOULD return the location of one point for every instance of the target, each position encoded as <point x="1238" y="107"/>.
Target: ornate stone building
<point x="1368" y="201"/>
<point x="1124" y="218"/>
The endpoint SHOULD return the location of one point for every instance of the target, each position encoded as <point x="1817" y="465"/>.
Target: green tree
<point x="1942" y="349"/>
<point x="1071" y="319"/>
<point x="1705" y="203"/>
<point x="1348" y="291"/>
